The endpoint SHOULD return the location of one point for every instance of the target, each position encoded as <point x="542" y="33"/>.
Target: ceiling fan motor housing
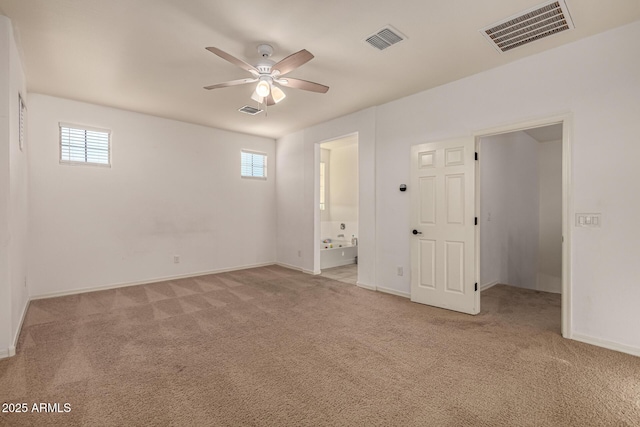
<point x="264" y="66"/>
<point x="265" y="50"/>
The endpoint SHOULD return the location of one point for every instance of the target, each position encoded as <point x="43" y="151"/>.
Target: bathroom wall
<point x="342" y="195"/>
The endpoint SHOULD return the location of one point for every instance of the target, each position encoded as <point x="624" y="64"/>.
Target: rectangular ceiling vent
<point x="534" y="24"/>
<point x="249" y="110"/>
<point x="388" y="36"/>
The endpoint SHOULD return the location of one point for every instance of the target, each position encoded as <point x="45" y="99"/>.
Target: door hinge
<point x="476" y="155"/>
<point x="476" y="221"/>
<point x="476" y="287"/>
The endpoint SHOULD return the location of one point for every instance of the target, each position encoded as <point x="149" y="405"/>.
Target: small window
<point x="253" y="164"/>
<point x="322" y="186"/>
<point x="21" y="113"/>
<point x="83" y="145"/>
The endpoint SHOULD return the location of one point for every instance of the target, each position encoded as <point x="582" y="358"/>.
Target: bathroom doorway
<point x="337" y="204"/>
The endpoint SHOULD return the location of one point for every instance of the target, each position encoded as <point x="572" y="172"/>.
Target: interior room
<point x="521" y="209"/>
<point x="161" y="228"/>
<point x="521" y="191"/>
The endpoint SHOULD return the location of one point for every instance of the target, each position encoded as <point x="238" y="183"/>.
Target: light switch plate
<point x="591" y="220"/>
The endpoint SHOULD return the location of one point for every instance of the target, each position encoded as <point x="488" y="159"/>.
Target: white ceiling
<point x="546" y="133"/>
<point x="149" y="56"/>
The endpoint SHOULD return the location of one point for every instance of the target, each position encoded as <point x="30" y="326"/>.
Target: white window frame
<point x="265" y="164"/>
<point x="85" y="128"/>
<point x="21" y="119"/>
<point x="323" y="193"/>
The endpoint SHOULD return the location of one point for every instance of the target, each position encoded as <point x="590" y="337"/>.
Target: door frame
<point x="316" y="196"/>
<point x="566" y="120"/>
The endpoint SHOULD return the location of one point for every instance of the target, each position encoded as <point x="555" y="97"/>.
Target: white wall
<point x="292" y="247"/>
<point x="494" y="212"/>
<point x="343" y="181"/>
<point x="509" y="232"/>
<point x="550" y="214"/>
<point x="13" y="194"/>
<point x="173" y="189"/>
<point x="5" y="194"/>
<point x="597" y="80"/>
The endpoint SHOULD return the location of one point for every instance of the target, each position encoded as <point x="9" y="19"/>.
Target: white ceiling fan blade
<point x="239" y="62"/>
<point x="303" y="84"/>
<point x="231" y="83"/>
<point x="292" y="62"/>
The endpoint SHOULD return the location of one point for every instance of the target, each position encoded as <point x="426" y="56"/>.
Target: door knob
<point x="417" y="232"/>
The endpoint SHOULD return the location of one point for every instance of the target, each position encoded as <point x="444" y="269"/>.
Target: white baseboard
<point x="383" y="290"/>
<point x="342" y="263"/>
<point x="289" y="266"/>
<point x="144" y="282"/>
<point x="294" y="267"/>
<point x="365" y="286"/>
<point x="394" y="292"/>
<point x="488" y="285"/>
<point x="12" y="349"/>
<point x="634" y="351"/>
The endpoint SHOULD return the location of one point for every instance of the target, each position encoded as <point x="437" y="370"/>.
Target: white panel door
<point x="443" y="272"/>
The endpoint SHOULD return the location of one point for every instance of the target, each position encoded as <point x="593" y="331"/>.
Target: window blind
<point x="253" y="164"/>
<point x="84" y="145"/>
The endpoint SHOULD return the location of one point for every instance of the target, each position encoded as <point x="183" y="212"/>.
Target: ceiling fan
<point x="269" y="74"/>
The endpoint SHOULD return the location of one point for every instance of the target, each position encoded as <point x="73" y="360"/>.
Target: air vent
<point x="388" y="36"/>
<point x="249" y="110"/>
<point x="533" y="24"/>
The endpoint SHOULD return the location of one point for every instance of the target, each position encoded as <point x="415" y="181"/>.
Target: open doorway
<point x="338" y="208"/>
<point x="521" y="216"/>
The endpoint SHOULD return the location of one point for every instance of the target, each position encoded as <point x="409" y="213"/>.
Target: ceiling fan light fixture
<point x="259" y="99"/>
<point x="277" y="94"/>
<point x="263" y="88"/>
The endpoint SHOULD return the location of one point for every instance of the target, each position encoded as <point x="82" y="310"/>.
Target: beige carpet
<point x="271" y="346"/>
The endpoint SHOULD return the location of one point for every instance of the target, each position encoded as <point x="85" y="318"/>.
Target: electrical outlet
<point x="176" y="259"/>
<point x="299" y="254"/>
<point x="400" y="271"/>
